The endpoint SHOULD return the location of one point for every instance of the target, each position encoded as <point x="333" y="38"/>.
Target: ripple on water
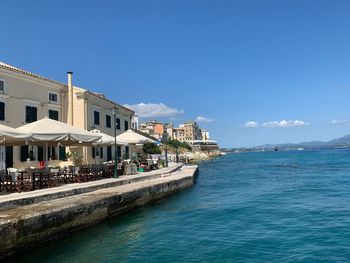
<point x="250" y="207"/>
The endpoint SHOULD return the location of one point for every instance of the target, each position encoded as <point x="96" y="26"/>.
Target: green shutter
<point x="62" y="153"/>
<point x="2" y="111"/>
<point x="40" y="153"/>
<point x="109" y="153"/>
<point x="24" y="153"/>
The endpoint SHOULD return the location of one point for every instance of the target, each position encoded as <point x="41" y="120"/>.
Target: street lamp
<point x="115" y="173"/>
<point x="166" y="147"/>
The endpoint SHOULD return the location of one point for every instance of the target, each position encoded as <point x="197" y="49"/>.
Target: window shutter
<point x="93" y="152"/>
<point x="119" y="151"/>
<point x="101" y="152"/>
<point x="62" y="153"/>
<point x="52" y="153"/>
<point x="28" y="114"/>
<point x="2" y="111"/>
<point x="35" y="114"/>
<point x="40" y="153"/>
<point x="126" y="123"/>
<point x="109" y="153"/>
<point x="53" y="115"/>
<point x="24" y="153"/>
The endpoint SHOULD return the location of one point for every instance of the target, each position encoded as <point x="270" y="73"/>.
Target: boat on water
<point x="301" y="149"/>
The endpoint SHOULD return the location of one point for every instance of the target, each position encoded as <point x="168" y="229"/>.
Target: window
<point x="52" y="153"/>
<point x="95" y="152"/>
<point x="119" y="151"/>
<point x="2" y="111"/>
<point x="53" y="97"/>
<point x="53" y="114"/>
<point x="108" y="121"/>
<point x="24" y="153"/>
<point x="109" y="153"/>
<point x="117" y="121"/>
<point x="101" y="152"/>
<point x="2" y="86"/>
<point x="31" y="114"/>
<point x="126" y="124"/>
<point x="96" y="118"/>
<point x="40" y="153"/>
<point x="62" y="153"/>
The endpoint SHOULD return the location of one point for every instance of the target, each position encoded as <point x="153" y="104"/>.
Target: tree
<point x="174" y="143"/>
<point x="151" y="148"/>
<point x="177" y="144"/>
<point x="186" y="146"/>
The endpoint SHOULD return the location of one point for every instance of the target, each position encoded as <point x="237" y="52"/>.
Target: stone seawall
<point x="31" y="225"/>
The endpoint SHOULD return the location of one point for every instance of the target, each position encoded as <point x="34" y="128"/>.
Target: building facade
<point x="154" y="128"/>
<point x="205" y="135"/>
<point x="26" y="97"/>
<point x="93" y="111"/>
<point x="192" y="131"/>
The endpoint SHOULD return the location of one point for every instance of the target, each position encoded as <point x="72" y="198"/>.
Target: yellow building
<point x="94" y="111"/>
<point x="26" y="97"/>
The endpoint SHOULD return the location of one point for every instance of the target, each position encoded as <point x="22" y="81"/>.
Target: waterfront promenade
<point x="28" y="219"/>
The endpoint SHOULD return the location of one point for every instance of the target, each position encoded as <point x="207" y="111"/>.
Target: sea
<point x="286" y="206"/>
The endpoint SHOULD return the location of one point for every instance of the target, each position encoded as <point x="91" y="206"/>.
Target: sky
<point x="251" y="72"/>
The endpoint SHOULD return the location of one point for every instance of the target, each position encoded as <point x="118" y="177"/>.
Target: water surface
<point x="249" y="207"/>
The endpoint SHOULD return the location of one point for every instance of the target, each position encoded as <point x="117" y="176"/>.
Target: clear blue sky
<point x="230" y="62"/>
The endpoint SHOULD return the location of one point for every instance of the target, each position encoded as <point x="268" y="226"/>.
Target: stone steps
<point x="27" y="198"/>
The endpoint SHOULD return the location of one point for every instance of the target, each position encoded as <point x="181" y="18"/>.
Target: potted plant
<point x="76" y="158"/>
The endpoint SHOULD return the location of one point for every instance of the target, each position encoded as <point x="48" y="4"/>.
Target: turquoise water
<point x="249" y="207"/>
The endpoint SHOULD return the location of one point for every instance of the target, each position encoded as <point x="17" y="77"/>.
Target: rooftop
<point x="25" y="72"/>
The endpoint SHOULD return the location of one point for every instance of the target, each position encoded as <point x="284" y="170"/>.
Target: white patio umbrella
<point x="132" y="137"/>
<point x="47" y="131"/>
<point x="11" y="136"/>
<point x="51" y="131"/>
<point x="106" y="140"/>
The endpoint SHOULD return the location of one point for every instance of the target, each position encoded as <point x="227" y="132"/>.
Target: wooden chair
<point x="2" y="180"/>
<point x="54" y="177"/>
<point x="24" y="181"/>
<point x="9" y="182"/>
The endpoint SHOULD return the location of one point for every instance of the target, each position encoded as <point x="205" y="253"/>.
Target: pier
<point x="31" y="218"/>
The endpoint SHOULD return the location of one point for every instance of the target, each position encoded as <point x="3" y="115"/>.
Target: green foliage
<point x="174" y="143"/>
<point x="186" y="146"/>
<point x="177" y="144"/>
<point x="76" y="158"/>
<point x="151" y="148"/>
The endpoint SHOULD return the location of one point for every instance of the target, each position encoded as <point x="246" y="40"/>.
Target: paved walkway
<point x="36" y="223"/>
<point x="26" y="198"/>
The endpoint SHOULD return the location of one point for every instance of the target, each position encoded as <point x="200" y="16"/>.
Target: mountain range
<point x="341" y="142"/>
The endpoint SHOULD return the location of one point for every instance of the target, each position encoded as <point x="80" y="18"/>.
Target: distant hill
<point x="335" y="143"/>
<point x="343" y="142"/>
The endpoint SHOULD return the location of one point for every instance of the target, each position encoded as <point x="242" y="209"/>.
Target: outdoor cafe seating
<point x="29" y="179"/>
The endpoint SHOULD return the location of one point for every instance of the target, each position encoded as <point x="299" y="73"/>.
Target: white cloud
<point x="284" y="124"/>
<point x="250" y="124"/>
<point x="204" y="119"/>
<point x="153" y="110"/>
<point x="340" y="123"/>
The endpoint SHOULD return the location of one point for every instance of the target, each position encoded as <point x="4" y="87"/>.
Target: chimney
<point x="70" y="99"/>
